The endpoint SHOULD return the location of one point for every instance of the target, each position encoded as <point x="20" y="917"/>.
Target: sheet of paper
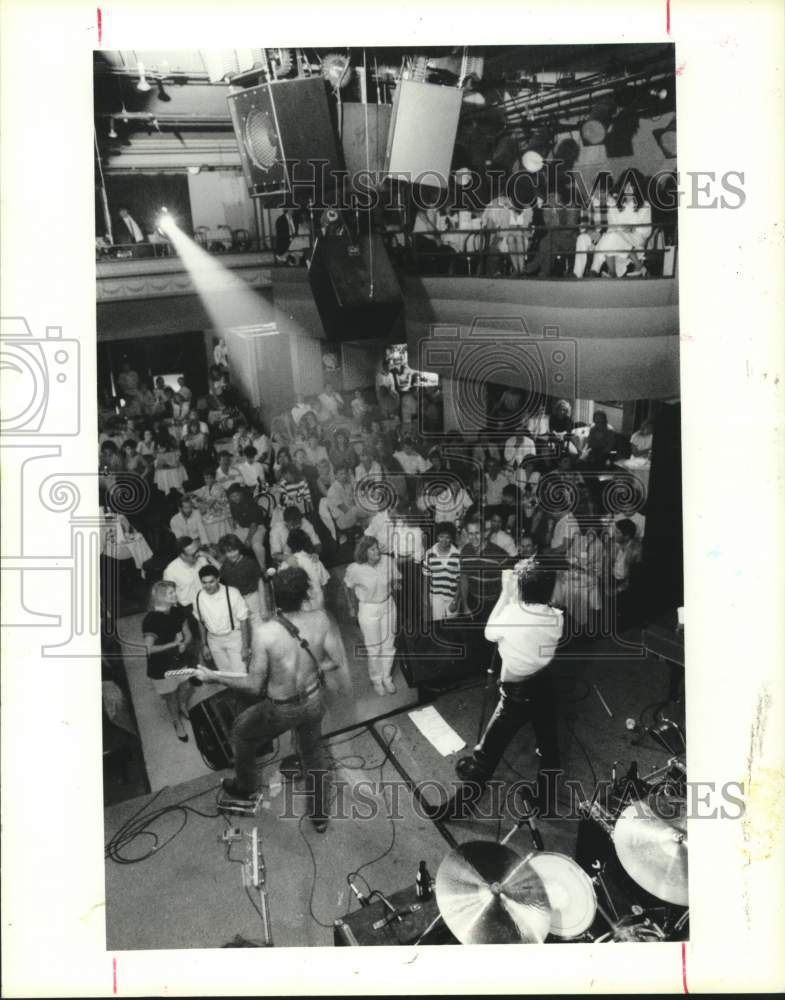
<point x="437" y="731"/>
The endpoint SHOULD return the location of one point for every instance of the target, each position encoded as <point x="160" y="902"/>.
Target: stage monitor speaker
<point x="357" y="156"/>
<point x="422" y="132"/>
<point x="355" y="287"/>
<point x="282" y="129"/>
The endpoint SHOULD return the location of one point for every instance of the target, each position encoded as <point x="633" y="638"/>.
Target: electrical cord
<point x="138" y="826"/>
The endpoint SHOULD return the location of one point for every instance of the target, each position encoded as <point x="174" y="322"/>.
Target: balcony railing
<point x="514" y="252"/>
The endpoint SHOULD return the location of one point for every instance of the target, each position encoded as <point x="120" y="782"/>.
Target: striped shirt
<point x="442" y="571"/>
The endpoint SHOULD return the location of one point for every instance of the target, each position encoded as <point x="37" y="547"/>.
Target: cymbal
<point x="653" y="849"/>
<point x="488" y="894"/>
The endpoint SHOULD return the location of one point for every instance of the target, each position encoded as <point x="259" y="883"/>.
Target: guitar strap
<point x="294" y="632"/>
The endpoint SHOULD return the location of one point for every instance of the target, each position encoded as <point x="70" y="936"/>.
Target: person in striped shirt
<point x="441" y="569"/>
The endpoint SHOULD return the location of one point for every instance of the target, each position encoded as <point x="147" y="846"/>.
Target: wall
<point x="646" y="153"/>
<point x="220" y="197"/>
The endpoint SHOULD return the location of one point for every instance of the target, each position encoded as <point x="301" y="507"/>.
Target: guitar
<point x="188" y="672"/>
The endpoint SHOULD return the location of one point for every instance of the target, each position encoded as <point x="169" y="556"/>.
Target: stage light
<point x="166" y="221"/>
<point x="143" y="85"/>
<point x="595" y="127"/>
<point x="537" y="150"/>
<point x="112" y="133"/>
<point x="194" y="170"/>
<point x="124" y="114"/>
<point x="659" y="94"/>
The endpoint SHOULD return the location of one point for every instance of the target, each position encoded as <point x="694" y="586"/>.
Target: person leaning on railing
<point x="629" y="229"/>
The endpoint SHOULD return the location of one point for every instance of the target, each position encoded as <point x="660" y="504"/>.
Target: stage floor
<point x="189" y="894"/>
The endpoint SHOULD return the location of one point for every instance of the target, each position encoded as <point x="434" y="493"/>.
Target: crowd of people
<point x="403" y="536"/>
<point x="615" y="232"/>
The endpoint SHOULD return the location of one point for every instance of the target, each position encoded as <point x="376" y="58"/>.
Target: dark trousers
<point x="266" y="720"/>
<point x="526" y="701"/>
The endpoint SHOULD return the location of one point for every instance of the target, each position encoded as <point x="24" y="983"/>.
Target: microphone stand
<point x="490" y="685"/>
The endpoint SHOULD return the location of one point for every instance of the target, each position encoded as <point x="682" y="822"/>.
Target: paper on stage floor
<point x="436" y="730"/>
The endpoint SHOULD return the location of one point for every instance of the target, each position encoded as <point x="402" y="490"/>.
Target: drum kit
<point x="488" y="893"/>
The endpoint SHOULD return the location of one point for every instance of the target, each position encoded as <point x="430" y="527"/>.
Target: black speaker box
<point x="355" y="287"/>
<point x="287" y="140"/>
<point x="448" y="654"/>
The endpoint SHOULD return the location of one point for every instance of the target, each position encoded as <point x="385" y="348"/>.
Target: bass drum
<point x="570" y="892"/>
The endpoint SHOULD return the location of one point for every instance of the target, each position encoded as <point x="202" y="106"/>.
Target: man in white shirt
<point x="381" y="526"/>
<point x="183" y="572"/>
<point x="527" y="631"/>
<point x="292" y="520"/>
<point x="226" y="473"/>
<point x="224" y="618"/>
<point x="300" y="408"/>
<point x="188" y="522"/>
<point x="496" y="479"/>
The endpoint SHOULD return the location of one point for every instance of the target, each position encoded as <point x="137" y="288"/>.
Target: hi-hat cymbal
<point x="653" y="849"/>
<point x="488" y="894"/>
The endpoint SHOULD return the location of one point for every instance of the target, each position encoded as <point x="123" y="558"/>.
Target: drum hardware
<point x="600" y="881"/>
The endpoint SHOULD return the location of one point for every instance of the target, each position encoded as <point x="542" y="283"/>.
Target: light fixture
<point x="595" y="127"/>
<point x="536" y="151"/>
<point x="660" y="94"/>
<point x="154" y="123"/>
<point x="194" y="170"/>
<point x="124" y="113"/>
<point x="143" y="85"/>
<point x="112" y="133"/>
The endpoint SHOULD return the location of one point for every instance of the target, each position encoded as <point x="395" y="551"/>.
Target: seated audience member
<point x="629" y="229"/>
<point x="300" y="408"/>
<point x="213" y="506"/>
<point x="641" y="440"/>
<point x="248" y="521"/>
<point x="359" y="406"/>
<point x="220" y="354"/>
<point x="561" y="217"/>
<point x="241" y="571"/>
<point x="442" y="568"/>
<point x="342" y="503"/>
<point x="283" y="461"/>
<point x="341" y="452"/>
<point x="167" y="636"/>
<point x="600" y="442"/>
<point x="169" y="471"/>
<point x="594" y="221"/>
<point x="368" y="470"/>
<point x="261" y="441"/>
<point x="409" y="459"/>
<point x="181" y="408"/>
<point x="254" y="474"/>
<point x="577" y="587"/>
<point x="183" y="389"/>
<point x="324" y="478"/>
<point x="330" y="404"/>
<point x="448" y="501"/>
<point x="292" y="520"/>
<point x="147" y="445"/>
<point x="315" y="450"/>
<point x="241" y="439"/>
<point x="499" y="537"/>
<point x="296" y="489"/>
<point x="227" y="473"/>
<point x="133" y="461"/>
<point x="187" y="522"/>
<point x="300" y="552"/>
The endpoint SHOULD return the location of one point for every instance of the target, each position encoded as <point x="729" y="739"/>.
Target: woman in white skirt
<point x="370" y="580"/>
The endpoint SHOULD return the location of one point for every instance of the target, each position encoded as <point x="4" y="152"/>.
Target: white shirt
<point x="527" y="635"/>
<point x="191" y="527"/>
<point x="227" y="478"/>
<point x="445" y="505"/>
<point x="133" y="229"/>
<point x="299" y="410"/>
<point x="331" y="402"/>
<point x="279" y="533"/>
<point x="251" y="473"/>
<point x="212" y="610"/>
<point x="515" y="451"/>
<point x="185" y="578"/>
<point x="372" y="584"/>
<point x="505" y="542"/>
<point x="412" y="464"/>
<point x="494" y="487"/>
<point x="380" y="528"/>
<point x="318" y="576"/>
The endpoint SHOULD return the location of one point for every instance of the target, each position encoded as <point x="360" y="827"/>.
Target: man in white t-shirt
<point x="188" y="522"/>
<point x="498" y="536"/>
<point x="527" y="630"/>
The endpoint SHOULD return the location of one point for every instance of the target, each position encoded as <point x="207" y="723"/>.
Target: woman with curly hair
<point x="370" y="580"/>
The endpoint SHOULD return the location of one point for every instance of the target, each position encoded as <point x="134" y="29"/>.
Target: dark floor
<point x="189" y="894"/>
